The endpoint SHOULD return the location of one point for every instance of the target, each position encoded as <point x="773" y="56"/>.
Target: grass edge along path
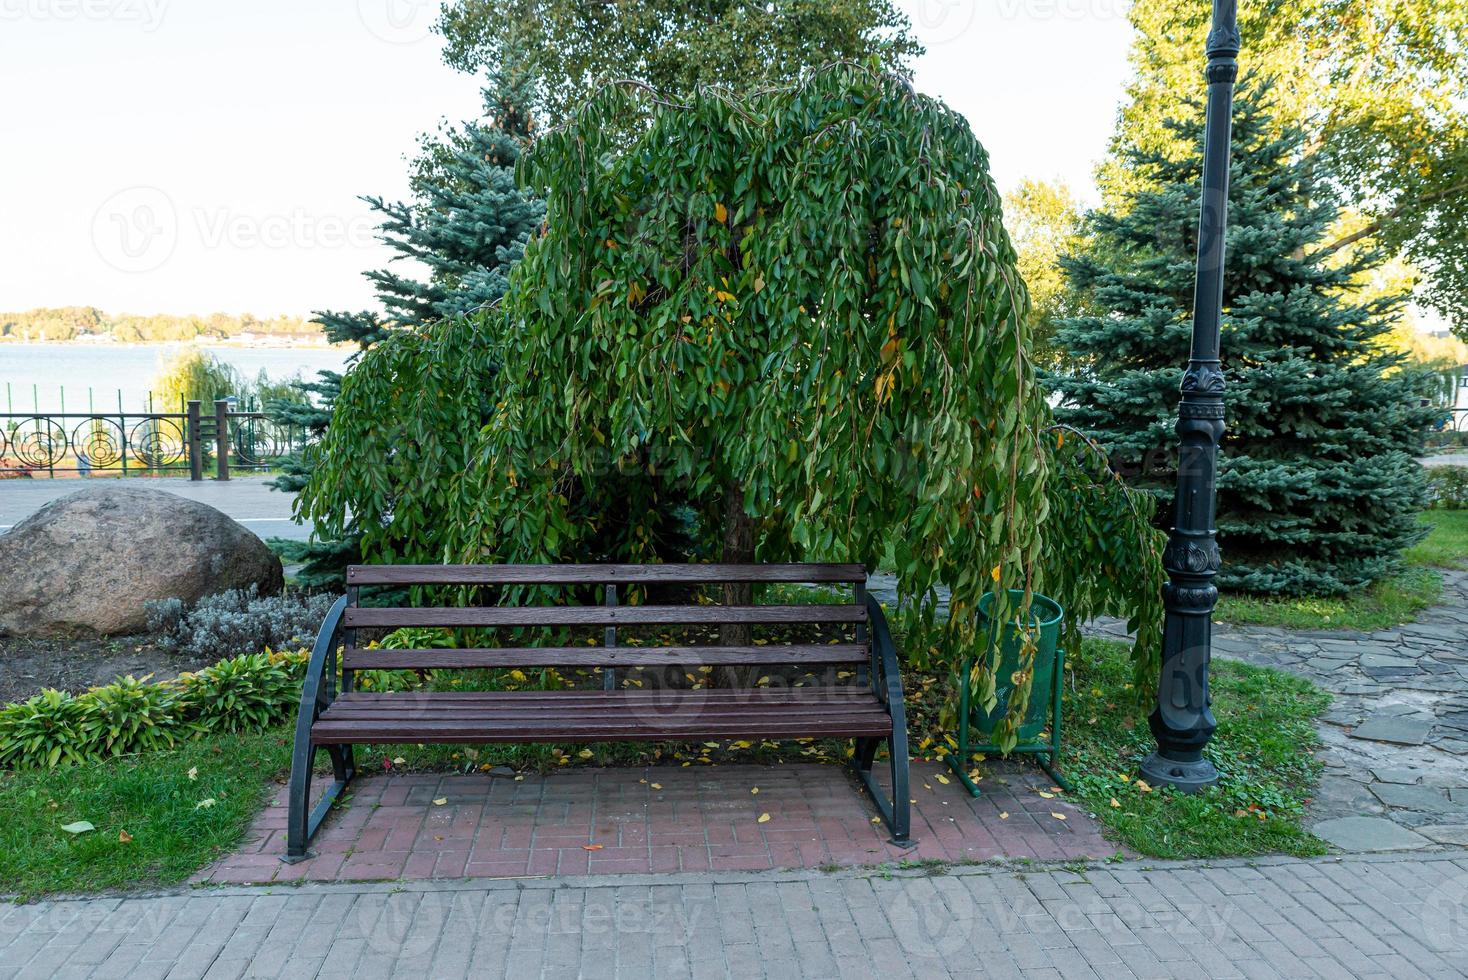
<point x="157" y="817"/>
<point x="1385" y="604"/>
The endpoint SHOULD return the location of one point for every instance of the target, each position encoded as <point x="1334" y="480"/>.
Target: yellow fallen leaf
<point x="764" y="818"/>
<point x="1142" y="785"/>
<point x="1115" y="803"/>
<point x="123" y="837"/>
<point x="657" y="785"/>
<point x="1048" y="796"/>
<point x="755" y="790"/>
<point x="440" y="801"/>
<point x="194" y="772"/>
<point x="584" y="753"/>
<point x="399" y="761"/>
<point x="1057" y="816"/>
<point x="876" y="819"/>
<point x="204" y="804"/>
<point x="941" y="778"/>
<point x="1004" y="815"/>
<point x="591" y="847"/>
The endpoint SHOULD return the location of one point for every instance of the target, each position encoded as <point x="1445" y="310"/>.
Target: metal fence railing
<point x="156" y="443"/>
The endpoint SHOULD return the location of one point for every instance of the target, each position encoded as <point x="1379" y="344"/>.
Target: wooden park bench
<point x="869" y="710"/>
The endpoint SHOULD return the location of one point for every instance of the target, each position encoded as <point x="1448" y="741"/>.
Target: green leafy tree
<point x="1318" y="487"/>
<point x="1380" y="89"/>
<point x="798" y="310"/>
<point x="674" y="46"/>
<point x="1044" y="221"/>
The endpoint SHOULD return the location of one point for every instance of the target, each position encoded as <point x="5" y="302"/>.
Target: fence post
<point x="196" y="460"/>
<point x="221" y="438"/>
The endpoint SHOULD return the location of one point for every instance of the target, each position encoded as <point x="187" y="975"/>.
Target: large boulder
<point x="86" y="562"/>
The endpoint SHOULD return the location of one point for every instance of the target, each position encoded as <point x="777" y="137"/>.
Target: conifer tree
<point x="1318" y="487"/>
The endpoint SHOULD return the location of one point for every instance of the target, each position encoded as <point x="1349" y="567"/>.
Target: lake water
<point x="43" y="377"/>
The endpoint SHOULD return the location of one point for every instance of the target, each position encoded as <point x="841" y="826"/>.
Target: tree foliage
<point x="1380" y="88"/>
<point x="1318" y="487"/>
<point x="675" y="46"/>
<point x="798" y="309"/>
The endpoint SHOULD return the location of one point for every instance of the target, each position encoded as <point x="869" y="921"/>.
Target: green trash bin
<point x="1045" y="614"/>
<point x="976" y="726"/>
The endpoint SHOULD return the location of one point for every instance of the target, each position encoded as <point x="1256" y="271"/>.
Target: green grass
<point x="1261" y="749"/>
<point x="149" y="797"/>
<point x="1386" y="604"/>
<point x="1446" y="545"/>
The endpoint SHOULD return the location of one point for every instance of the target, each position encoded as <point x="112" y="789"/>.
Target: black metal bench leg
<point x="896" y="813"/>
<point x="302" y="820"/>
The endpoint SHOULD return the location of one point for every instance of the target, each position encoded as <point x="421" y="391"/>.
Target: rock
<point x="1447" y="833"/>
<point x="1368" y="834"/>
<point x="86" y="562"/>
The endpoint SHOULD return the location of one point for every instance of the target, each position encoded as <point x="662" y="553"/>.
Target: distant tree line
<point x="73" y="322"/>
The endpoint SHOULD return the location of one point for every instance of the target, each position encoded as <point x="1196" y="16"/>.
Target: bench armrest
<point x="886" y="675"/>
<point x="318" y="689"/>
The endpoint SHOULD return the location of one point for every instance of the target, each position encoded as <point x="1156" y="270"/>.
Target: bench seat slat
<point x="755" y="695"/>
<point x="598" y="716"/>
<point x="355" y="658"/>
<point x="393" y="617"/>
<point x="598" y="574"/>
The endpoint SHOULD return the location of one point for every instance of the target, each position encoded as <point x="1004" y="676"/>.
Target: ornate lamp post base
<point x="1188" y="776"/>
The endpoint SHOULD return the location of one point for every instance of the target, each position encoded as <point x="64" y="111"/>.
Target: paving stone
<point x="1386" y="660"/>
<point x="1414" y="797"/>
<point x="1446" y="833"/>
<point x="1399" y="729"/>
<point x="1368" y="834"/>
<point x="1391" y="775"/>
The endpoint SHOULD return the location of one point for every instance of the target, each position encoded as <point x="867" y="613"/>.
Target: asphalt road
<point x="248" y="499"/>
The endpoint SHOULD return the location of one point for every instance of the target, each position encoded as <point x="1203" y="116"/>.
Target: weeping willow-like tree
<point x="793" y="314"/>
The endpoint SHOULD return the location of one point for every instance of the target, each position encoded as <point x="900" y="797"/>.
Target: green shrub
<point x="243" y="693"/>
<point x="46" y="730"/>
<point x="131" y="715"/>
<point x="238" y="620"/>
<point x="1447" y="487"/>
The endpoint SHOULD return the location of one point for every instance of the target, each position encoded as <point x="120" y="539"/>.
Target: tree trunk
<point x="738" y="549"/>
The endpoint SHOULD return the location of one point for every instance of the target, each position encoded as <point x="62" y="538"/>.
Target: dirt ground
<point x="27" y="665"/>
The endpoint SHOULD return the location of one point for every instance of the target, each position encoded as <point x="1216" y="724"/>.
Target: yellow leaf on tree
<point x="721" y="213"/>
<point x="994" y="573"/>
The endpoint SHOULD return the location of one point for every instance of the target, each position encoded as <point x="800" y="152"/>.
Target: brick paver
<point x="1360" y="916"/>
<point x="660" y="819"/>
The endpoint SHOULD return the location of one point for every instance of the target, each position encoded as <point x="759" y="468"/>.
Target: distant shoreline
<point x="254" y="344"/>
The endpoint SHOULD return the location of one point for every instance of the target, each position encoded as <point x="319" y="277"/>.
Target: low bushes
<point x="243" y="693"/>
<point x="238" y="619"/>
<point x="1447" y="487"/>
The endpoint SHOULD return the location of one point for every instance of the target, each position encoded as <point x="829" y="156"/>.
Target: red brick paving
<point x="700" y="819"/>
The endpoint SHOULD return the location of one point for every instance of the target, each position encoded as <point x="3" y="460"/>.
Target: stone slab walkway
<point x="1362" y="917"/>
<point x="1396" y="737"/>
<point x="660" y="819"/>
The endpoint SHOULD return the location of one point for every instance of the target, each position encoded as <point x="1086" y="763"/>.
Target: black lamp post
<point x="1182" y="722"/>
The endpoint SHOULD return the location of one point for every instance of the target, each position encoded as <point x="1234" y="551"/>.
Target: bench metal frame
<point x="319" y="689"/>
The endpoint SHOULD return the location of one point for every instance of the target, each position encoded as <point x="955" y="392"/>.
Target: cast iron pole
<point x="1182" y="722"/>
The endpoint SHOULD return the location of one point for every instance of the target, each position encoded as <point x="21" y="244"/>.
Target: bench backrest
<point x="609" y="615"/>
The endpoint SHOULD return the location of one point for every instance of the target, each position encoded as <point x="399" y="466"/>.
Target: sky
<point x="192" y="156"/>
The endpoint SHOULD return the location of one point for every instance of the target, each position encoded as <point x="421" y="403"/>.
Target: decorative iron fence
<point x="1451" y="431"/>
<point x="158" y="443"/>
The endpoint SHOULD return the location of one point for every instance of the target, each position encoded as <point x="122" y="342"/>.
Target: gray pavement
<point x="248" y="499"/>
<point x="1354" y="917"/>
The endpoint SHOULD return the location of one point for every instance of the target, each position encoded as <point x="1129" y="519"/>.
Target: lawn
<point x="1387" y="603"/>
<point x="158" y="816"/>
<point x="1261" y="749"/>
